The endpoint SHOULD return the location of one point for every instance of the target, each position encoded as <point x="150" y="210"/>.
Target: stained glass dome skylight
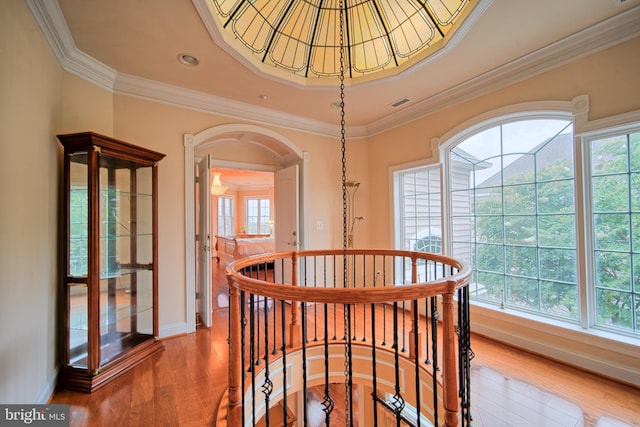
<point x="302" y="37"/>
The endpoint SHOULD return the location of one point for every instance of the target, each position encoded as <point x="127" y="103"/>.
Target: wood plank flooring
<point x="182" y="387"/>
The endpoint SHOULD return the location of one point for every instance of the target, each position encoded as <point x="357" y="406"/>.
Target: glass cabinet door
<point x="78" y="261"/>
<point x="126" y="255"/>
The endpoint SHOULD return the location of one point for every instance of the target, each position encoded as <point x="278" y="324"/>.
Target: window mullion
<point x="584" y="233"/>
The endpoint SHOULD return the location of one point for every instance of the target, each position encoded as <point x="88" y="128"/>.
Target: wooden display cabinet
<point x="109" y="315"/>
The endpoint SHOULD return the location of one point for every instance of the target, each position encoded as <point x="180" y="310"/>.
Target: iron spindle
<point x="284" y="360"/>
<point x="416" y="358"/>
<point x="304" y="366"/>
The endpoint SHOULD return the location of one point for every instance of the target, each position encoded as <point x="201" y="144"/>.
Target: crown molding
<point x="54" y="27"/>
<point x="129" y="85"/>
<point x="612" y="31"/>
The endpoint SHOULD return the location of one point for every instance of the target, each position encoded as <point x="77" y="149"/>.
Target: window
<point x="420" y="214"/>
<point x="615" y="220"/>
<point x="226" y="221"/>
<point x="513" y="214"/>
<point x="420" y="225"/>
<point x="258" y="215"/>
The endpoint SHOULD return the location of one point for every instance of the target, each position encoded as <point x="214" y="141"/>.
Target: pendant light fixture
<point x="217" y="189"/>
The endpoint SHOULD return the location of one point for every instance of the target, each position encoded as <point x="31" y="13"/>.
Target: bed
<point x="229" y="249"/>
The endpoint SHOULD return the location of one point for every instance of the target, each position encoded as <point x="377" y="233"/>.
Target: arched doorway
<point x="231" y="144"/>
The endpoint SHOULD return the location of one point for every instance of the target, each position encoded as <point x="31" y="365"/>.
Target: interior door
<point x="286" y="217"/>
<point x="203" y="212"/>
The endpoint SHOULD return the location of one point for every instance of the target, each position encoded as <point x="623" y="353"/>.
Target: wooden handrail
<point x="399" y="292"/>
<point x="445" y="287"/>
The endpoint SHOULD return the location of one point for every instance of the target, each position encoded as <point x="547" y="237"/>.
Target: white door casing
<point x="288" y="153"/>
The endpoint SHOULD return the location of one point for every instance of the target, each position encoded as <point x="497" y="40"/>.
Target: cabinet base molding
<point x="79" y="379"/>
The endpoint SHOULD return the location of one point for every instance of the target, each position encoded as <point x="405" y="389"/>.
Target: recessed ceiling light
<point x="187" y="59"/>
<point x="263" y="97"/>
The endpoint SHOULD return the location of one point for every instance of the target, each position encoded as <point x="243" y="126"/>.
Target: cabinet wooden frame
<point x="93" y="363"/>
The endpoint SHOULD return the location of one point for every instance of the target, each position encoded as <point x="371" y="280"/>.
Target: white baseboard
<point x="48" y="389"/>
<point x="174" y="329"/>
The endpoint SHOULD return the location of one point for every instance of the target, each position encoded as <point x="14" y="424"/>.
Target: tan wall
<point x="30" y="100"/>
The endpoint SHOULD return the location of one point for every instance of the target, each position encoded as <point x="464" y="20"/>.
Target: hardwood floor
<point x="182" y="387"/>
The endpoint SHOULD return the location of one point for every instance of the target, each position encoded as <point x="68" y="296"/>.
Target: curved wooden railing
<point x="370" y="296"/>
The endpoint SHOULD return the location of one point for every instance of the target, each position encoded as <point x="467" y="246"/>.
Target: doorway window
<point x="226" y="220"/>
<point x="258" y="213"/>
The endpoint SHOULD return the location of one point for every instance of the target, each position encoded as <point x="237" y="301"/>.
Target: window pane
<point x="634" y="151"/>
<point x="611" y="231"/>
<point x="556" y="197"/>
<point x="520" y="229"/>
<point x="609" y="155"/>
<point x="558" y="264"/>
<point x="610" y="193"/>
<point x="614" y="308"/>
<point x="490" y="229"/>
<point x="522" y="261"/>
<point x="522" y="292"/>
<point x="557" y="231"/>
<point x="520" y="199"/>
<point x="518" y="169"/>
<point x="559" y="299"/>
<point x="490" y="286"/>
<point x="491" y="257"/>
<point x="613" y="270"/>
<point x="635" y="192"/>
<point x="488" y="201"/>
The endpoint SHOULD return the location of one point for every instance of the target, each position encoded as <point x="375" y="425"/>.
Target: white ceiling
<point x="131" y="47"/>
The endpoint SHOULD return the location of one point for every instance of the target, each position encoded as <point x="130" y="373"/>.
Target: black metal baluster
<point x="426" y="330"/>
<point x="303" y="304"/>
<point x="404" y="281"/>
<point x="397" y="402"/>
<point x="267" y="386"/>
<point x="253" y="358"/>
<point x="255" y="275"/>
<point x="434" y="350"/>
<point x="465" y="355"/>
<point x="416" y="358"/>
<point x="384" y="305"/>
<point x="364" y="306"/>
<point x="327" y="402"/>
<point x="284" y="360"/>
<point x="275" y="309"/>
<point x="315" y="304"/>
<point x="304" y="367"/>
<point x="335" y="307"/>
<point x="355" y="314"/>
<point x="243" y="319"/>
<point x="374" y="374"/>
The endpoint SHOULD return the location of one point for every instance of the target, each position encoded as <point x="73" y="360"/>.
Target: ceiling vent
<point x="399" y="102"/>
